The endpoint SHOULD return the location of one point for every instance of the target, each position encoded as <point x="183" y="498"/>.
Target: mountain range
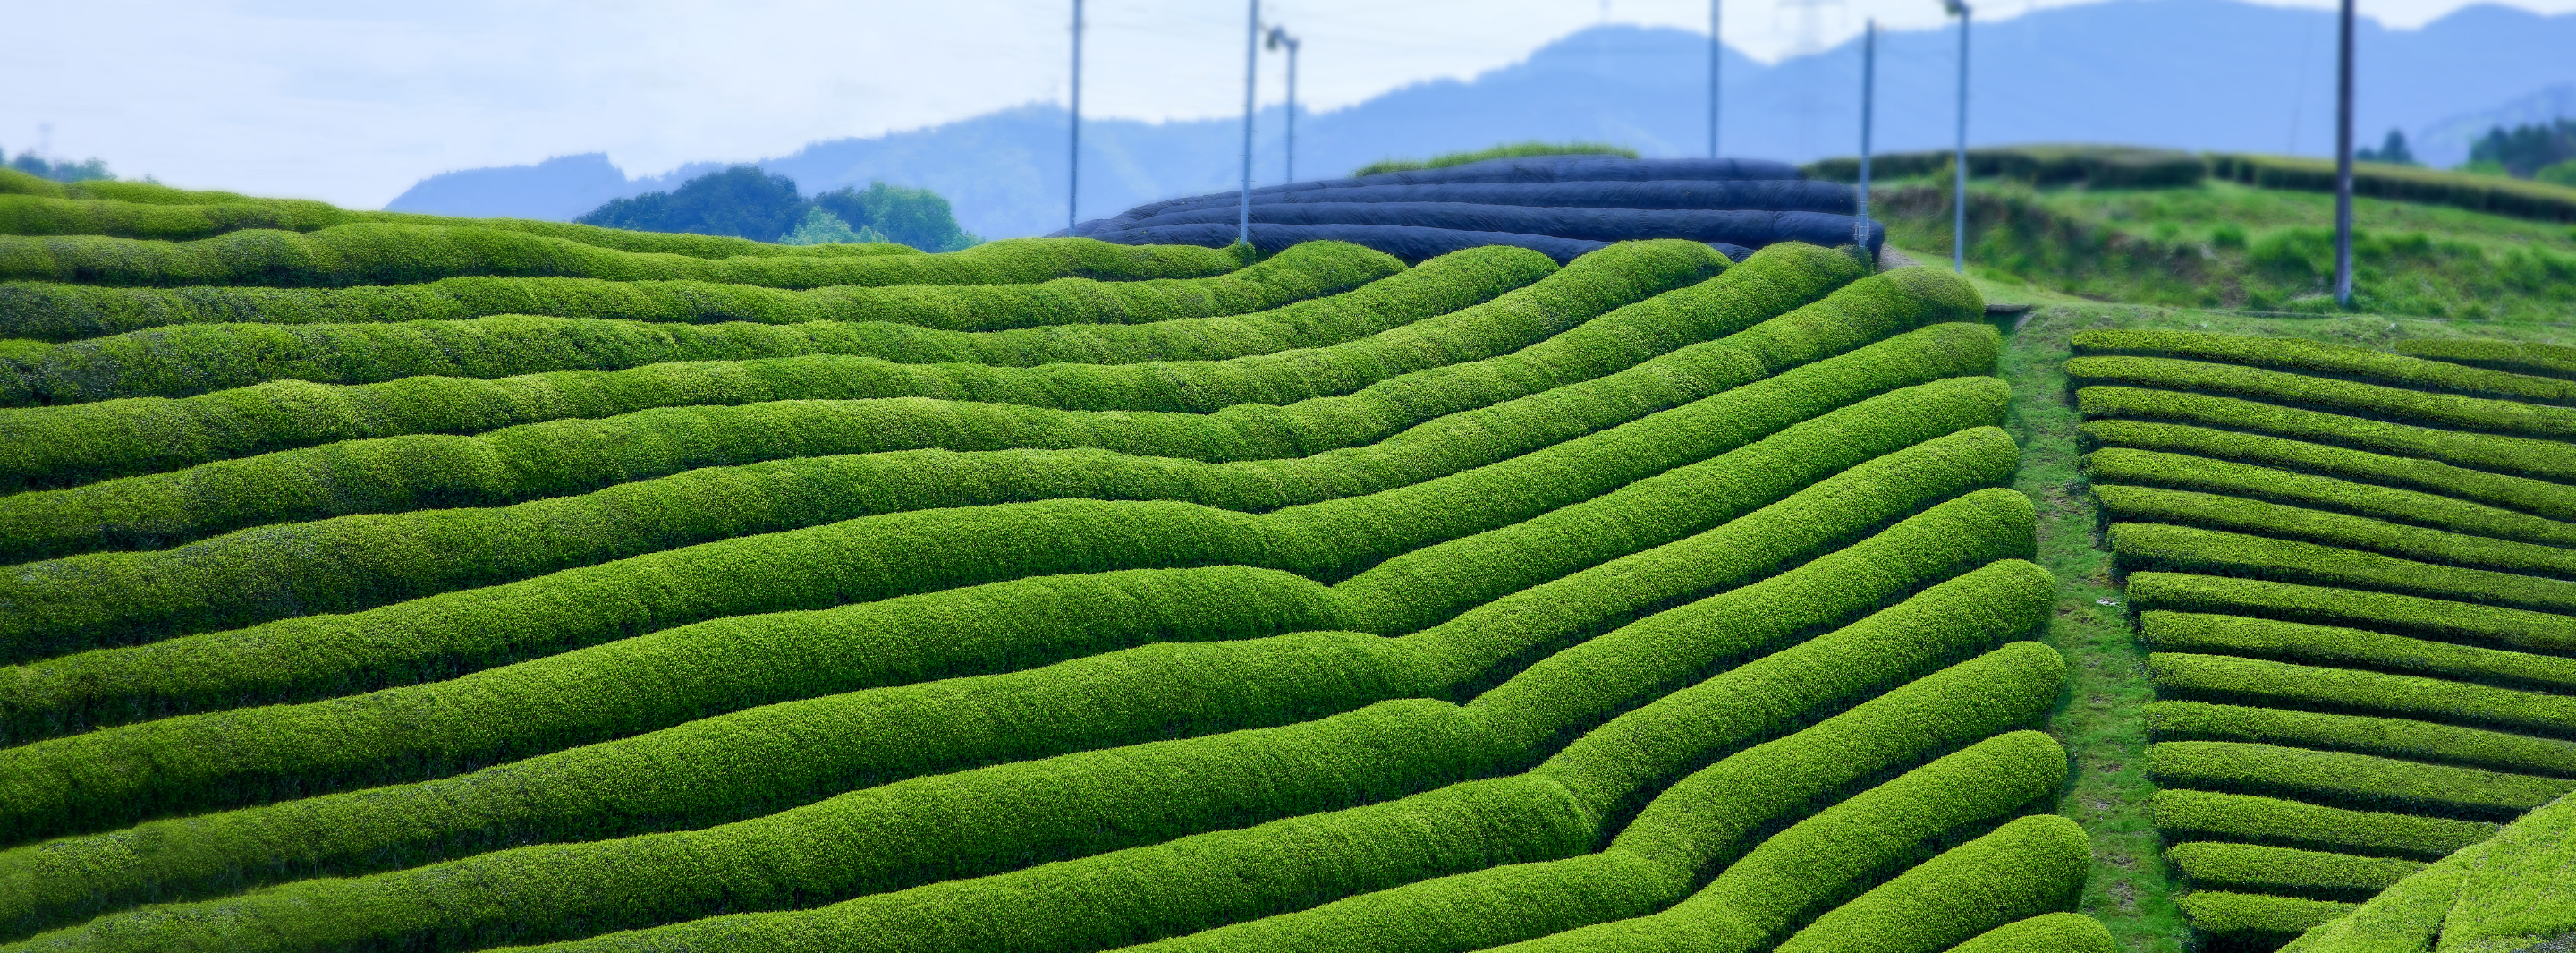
<point x="2191" y="74"/>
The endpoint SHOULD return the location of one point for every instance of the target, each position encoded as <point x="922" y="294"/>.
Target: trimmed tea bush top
<point x="1559" y="205"/>
<point x="1054" y="595"/>
<point x="2358" y="573"/>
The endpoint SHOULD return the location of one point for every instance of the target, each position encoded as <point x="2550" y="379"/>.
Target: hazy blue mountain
<point x="2194" y="74"/>
<point x="2446" y="143"/>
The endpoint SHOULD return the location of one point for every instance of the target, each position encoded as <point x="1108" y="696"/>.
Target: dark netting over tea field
<point x="1563" y="206"/>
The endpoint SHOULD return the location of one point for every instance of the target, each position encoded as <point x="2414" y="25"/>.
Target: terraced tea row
<point x="2357" y="574"/>
<point x="1321" y="602"/>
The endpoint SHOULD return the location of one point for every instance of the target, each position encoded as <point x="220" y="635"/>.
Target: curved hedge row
<point x="2538" y="497"/>
<point x="54" y="445"/>
<point x="72" y="312"/>
<point x="2518" y="628"/>
<point x="2439" y="410"/>
<point x="2227" y="677"/>
<point x="2213" y="511"/>
<point x="2184" y="548"/>
<point x="2339" y="777"/>
<point x="2325" y="358"/>
<point x="1702" y="821"/>
<point x="196" y="358"/>
<point x="2527" y="357"/>
<point x="739" y="865"/>
<point x="2286" y="869"/>
<point x="377" y="253"/>
<point x="2117" y="465"/>
<point x="539" y="460"/>
<point x="2256" y="915"/>
<point x="2184" y="813"/>
<point x="2266" y="638"/>
<point x="2046" y="933"/>
<point x="2391" y="737"/>
<point x="2509" y="893"/>
<point x="2030" y="866"/>
<point x="2546" y="459"/>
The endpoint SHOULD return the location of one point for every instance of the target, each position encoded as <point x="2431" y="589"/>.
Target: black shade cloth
<point x="1412" y="243"/>
<point x="1752" y="229"/>
<point x="1794" y="195"/>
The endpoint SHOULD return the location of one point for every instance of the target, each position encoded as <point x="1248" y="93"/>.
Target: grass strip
<point x="2260" y="681"/>
<point x="2539" y="497"/>
<point x="1702" y="822"/>
<point x="2545" y="459"/>
<point x="381" y="253"/>
<point x="2158" y="546"/>
<point x="2345" y="778"/>
<point x="2183" y="813"/>
<point x="2288" y="870"/>
<point x="806" y="853"/>
<point x="2404" y="738"/>
<point x="534" y="461"/>
<point x="55" y="312"/>
<point x="2151" y="468"/>
<point x="2514" y="628"/>
<point x="2325" y="358"/>
<point x="2045" y="933"/>
<point x="2137" y="504"/>
<point x="2321" y="393"/>
<point x="2299" y="642"/>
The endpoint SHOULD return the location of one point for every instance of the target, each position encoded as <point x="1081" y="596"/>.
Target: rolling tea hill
<point x="397" y="582"/>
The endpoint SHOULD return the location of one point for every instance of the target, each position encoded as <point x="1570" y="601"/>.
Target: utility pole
<point x="1713" y="55"/>
<point x="1278" y="38"/>
<point x="2343" y="166"/>
<point x="1868" y="88"/>
<point x="1073" y="149"/>
<point x="1959" y="191"/>
<point x="1251" y="49"/>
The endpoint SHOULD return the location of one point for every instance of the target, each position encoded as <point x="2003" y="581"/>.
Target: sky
<point x="352" y="102"/>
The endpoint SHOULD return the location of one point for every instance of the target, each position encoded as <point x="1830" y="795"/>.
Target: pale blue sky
<point x="353" y="102"/>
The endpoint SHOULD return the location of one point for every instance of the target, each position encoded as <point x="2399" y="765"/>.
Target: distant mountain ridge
<point x="2193" y="74"/>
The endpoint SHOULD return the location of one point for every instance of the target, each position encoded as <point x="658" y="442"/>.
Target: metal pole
<point x="1251" y="44"/>
<point x="1073" y="148"/>
<point x="2343" y="166"/>
<point x="1868" y="86"/>
<point x="1713" y="55"/>
<point x="1278" y="37"/>
<point x="1959" y="192"/>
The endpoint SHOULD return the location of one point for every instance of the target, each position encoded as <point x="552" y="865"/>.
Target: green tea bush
<point x="2522" y="357"/>
<point x="80" y="442"/>
<point x="2545" y="459"/>
<point x="196" y="358"/>
<point x="2046" y="933"/>
<point x="375" y="253"/>
<point x="529" y="887"/>
<point x="375" y="560"/>
<point x="2268" y="638"/>
<point x="2349" y="778"/>
<point x="2118" y="465"/>
<point x="2151" y="505"/>
<point x="2516" y="628"/>
<point x="2496" y="194"/>
<point x="60" y="782"/>
<point x="2508" y="893"/>
<point x="2538" y="497"/>
<point x="539" y="460"/>
<point x="2225" y="678"/>
<point x="2322" y="393"/>
<point x="2325" y="358"/>
<point x="2182" y="813"/>
<point x="1815" y="862"/>
<point x="71" y="312"/>
<point x="1703" y="821"/>
<point x="2030" y="866"/>
<point x="2391" y="737"/>
<point x="2158" y="546"/>
<point x="2257" y="917"/>
<point x="2287" y="870"/>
